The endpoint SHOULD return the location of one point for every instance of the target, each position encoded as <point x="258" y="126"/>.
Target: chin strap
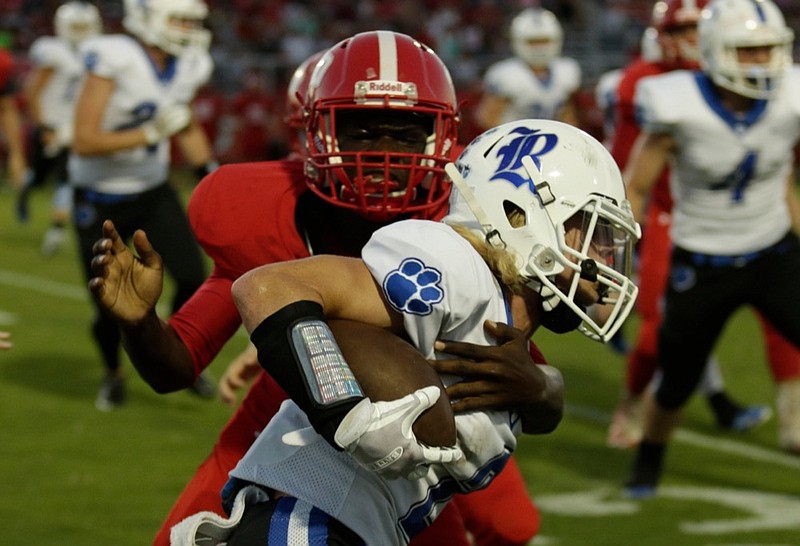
<point x="492" y="235"/>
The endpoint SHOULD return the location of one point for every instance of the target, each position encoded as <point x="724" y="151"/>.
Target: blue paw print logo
<point x="413" y="287"/>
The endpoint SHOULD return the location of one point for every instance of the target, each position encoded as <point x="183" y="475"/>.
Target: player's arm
<point x="649" y="157"/>
<point x="12" y="129"/>
<point x="569" y="112"/>
<point x="792" y="201"/>
<point x="285" y="307"/>
<point x="342" y="287"/>
<point x="90" y="138"/>
<point x="490" y="110"/>
<point x="127" y="288"/>
<point x="196" y="148"/>
<point x="35" y="85"/>
<point x="503" y="377"/>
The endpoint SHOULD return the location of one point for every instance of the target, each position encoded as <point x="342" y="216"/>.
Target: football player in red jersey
<point x="676" y="24"/>
<point x="246" y="215"/>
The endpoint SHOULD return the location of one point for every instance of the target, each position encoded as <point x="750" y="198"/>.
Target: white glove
<point x="379" y="436"/>
<point x="62" y="138"/>
<point x="169" y="120"/>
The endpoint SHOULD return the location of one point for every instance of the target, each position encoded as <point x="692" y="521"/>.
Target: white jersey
<point x="139" y="91"/>
<point x="605" y="95"/>
<point x="443" y="291"/>
<point x="728" y="174"/>
<point x="530" y="96"/>
<point x="57" y="100"/>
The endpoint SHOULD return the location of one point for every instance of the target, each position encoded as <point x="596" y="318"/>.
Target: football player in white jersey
<point x="136" y="94"/>
<point x="537" y="82"/>
<point x="727" y="132"/>
<point x="51" y="90"/>
<point x="538" y="222"/>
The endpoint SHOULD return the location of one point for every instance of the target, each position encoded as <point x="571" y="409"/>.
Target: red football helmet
<point x="296" y="95"/>
<point x="297" y="91"/>
<point x="676" y="23"/>
<point x="364" y="77"/>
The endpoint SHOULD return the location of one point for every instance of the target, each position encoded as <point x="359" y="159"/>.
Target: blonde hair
<point x="501" y="262"/>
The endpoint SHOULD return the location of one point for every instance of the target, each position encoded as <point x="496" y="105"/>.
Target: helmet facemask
<point x="595" y="245"/>
<point x="536" y="37"/>
<point x="170" y="25"/>
<point x="75" y="21"/>
<point x="753" y="80"/>
<point x="733" y="25"/>
<point x="360" y="92"/>
<point x="377" y="181"/>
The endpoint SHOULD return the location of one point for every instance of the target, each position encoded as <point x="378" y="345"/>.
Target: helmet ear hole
<point x="515" y="214"/>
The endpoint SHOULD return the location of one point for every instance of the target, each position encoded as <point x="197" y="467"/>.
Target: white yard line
<point x="44" y="286"/>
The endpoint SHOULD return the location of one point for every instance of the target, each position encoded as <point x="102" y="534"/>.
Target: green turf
<point x="70" y="475"/>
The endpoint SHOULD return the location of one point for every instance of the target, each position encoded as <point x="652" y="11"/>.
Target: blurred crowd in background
<point x="258" y="43"/>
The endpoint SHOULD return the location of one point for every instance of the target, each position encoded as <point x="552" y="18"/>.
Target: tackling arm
<point x="127" y="288"/>
<point x="503" y="377"/>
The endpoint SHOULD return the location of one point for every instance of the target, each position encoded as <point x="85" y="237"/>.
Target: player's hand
<point x="502" y="376"/>
<point x="124" y="285"/>
<point x="5" y="340"/>
<point x="55" y="140"/>
<point x="169" y="119"/>
<point x="379" y="436"/>
<point x="240" y="373"/>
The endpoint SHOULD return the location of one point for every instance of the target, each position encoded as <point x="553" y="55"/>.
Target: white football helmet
<point x="730" y="24"/>
<point x="552" y="173"/>
<point x="75" y="21"/>
<point x="170" y="25"/>
<point x="536" y="36"/>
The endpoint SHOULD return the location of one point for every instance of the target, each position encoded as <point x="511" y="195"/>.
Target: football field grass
<point x="71" y="475"/>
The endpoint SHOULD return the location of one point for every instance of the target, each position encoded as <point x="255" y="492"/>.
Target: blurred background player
<point x="10" y="122"/>
<point x="536" y="82"/>
<point x="136" y="95"/>
<point x="50" y="91"/>
<point x="675" y="23"/>
<point x="729" y="132"/>
<point x="607" y="88"/>
<point x="311" y="207"/>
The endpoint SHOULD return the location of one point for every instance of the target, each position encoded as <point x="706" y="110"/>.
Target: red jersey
<point x="243" y="215"/>
<point x="627" y="129"/>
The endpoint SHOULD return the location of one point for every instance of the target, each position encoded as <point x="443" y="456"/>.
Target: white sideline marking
<point x="44" y="286"/>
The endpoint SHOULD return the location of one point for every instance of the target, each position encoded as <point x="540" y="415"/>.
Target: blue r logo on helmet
<point x="530" y="142"/>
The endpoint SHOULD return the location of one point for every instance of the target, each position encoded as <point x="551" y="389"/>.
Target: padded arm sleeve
<point x="297" y="348"/>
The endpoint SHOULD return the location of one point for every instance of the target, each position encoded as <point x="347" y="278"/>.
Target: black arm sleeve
<point x="297" y="348"/>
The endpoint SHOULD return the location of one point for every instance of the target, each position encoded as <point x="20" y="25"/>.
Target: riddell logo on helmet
<point x="383" y="86"/>
<point x="375" y="89"/>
